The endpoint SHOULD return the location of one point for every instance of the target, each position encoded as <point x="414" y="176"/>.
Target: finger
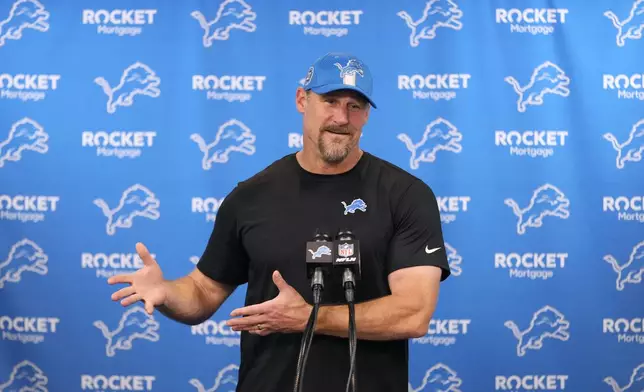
<point x="122" y="293"/>
<point x="250" y="328"/>
<point x="252" y="309"/>
<point x="247" y="322"/>
<point x="144" y="254"/>
<point x="260" y="332"/>
<point x="131" y="299"/>
<point x="149" y="307"/>
<point x="279" y="281"/>
<point x="124" y="278"/>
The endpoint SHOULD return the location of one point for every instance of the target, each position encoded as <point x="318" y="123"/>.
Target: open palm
<point x="145" y="285"/>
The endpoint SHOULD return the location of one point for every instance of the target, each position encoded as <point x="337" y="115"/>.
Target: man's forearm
<point x="387" y="318"/>
<point x="185" y="302"/>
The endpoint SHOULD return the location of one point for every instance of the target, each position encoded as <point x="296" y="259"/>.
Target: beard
<point x="332" y="151"/>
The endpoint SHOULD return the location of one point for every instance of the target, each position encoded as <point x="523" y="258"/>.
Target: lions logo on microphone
<point x="321" y="251"/>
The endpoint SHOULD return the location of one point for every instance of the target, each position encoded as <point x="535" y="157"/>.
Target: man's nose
<point x="341" y="115"/>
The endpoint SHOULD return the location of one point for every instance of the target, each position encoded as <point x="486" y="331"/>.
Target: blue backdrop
<point x="121" y="121"/>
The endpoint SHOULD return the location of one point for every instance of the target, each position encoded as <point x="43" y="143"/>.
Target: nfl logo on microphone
<point x="345" y="250"/>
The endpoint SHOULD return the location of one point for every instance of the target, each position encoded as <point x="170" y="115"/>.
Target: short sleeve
<point x="224" y="259"/>
<point x="418" y="235"/>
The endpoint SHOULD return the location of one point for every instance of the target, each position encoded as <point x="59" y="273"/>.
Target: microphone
<point x="347" y="257"/>
<point x="319" y="260"/>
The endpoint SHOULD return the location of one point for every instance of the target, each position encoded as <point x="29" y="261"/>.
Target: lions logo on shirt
<point x="356" y="204"/>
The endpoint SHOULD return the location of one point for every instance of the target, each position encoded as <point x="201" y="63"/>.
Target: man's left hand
<point x="288" y="312"/>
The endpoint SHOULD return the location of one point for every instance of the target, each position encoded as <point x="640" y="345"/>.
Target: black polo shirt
<point x="263" y="225"/>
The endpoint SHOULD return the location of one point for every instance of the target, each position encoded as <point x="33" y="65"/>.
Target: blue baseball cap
<point x="337" y="71"/>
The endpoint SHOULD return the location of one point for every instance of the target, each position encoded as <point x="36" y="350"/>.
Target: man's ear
<point x="300" y="99"/>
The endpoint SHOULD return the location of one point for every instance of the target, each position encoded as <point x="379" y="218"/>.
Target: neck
<point x="313" y="163"/>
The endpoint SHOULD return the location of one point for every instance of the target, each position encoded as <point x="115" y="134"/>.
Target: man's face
<point x="332" y="122"/>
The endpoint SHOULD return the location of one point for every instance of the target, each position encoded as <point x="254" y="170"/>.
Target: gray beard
<point x="333" y="153"/>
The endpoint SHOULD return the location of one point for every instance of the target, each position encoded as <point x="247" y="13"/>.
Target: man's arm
<point x="404" y="314"/>
<point x="194" y="298"/>
<point x="223" y="266"/>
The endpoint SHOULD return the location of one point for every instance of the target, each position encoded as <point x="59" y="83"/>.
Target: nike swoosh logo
<point x="428" y="251"/>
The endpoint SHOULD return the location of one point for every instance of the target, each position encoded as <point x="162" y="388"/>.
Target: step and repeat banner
<point x="125" y="121"/>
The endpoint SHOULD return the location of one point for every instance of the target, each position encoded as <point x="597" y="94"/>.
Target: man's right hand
<point x="146" y="284"/>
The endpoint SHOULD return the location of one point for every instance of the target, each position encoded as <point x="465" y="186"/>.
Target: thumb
<point x="149" y="307"/>
<point x="279" y="281"/>
<point x="144" y="254"/>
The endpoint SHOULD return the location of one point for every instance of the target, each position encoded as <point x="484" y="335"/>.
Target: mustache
<point x="336" y="129"/>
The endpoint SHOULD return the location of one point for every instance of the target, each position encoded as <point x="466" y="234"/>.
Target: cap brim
<point x="327" y="88"/>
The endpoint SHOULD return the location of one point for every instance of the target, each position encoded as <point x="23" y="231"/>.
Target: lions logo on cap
<point x="349" y="71"/>
<point x="309" y="76"/>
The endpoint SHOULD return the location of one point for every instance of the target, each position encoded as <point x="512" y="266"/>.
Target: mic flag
<point x="319" y="254"/>
<point x="347" y="252"/>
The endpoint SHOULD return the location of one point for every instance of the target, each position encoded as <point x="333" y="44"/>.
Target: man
<point x="260" y="235"/>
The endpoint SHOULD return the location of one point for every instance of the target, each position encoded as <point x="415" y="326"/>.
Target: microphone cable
<point x="307" y="338"/>
<point x="353" y="335"/>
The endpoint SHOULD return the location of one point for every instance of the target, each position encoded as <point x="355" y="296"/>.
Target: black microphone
<point x="319" y="260"/>
<point x="347" y="256"/>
